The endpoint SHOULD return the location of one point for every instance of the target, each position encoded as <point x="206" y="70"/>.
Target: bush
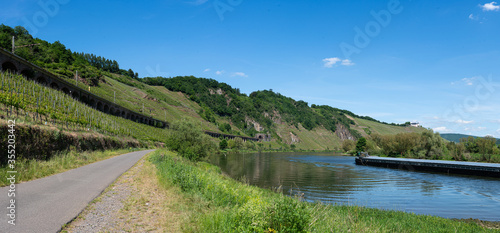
<point x="225" y="127"/>
<point x="348" y="145"/>
<point x="289" y="215"/>
<point x="189" y="141"/>
<point x="361" y="145"/>
<point x="223" y="144"/>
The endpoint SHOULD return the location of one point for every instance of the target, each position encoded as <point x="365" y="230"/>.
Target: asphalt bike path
<point x="46" y="204"/>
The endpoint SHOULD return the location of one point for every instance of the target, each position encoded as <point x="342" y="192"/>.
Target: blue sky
<point x="435" y="62"/>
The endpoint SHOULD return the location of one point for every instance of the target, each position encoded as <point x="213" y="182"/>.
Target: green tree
<point x="348" y="145"/>
<point x="456" y="150"/>
<point x="238" y="143"/>
<point x="406" y="142"/>
<point x="189" y="141"/>
<point x="432" y="144"/>
<point x="260" y="146"/>
<point x="361" y="145"/>
<point x="470" y="144"/>
<point x="387" y="143"/>
<point x="225" y="127"/>
<point x="223" y="144"/>
<point x="250" y="145"/>
<point x="486" y="147"/>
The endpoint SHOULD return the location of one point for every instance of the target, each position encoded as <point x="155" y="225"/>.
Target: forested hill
<point x="56" y="58"/>
<point x="455" y="137"/>
<point x="260" y="111"/>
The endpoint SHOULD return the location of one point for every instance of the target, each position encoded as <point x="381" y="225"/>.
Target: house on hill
<point x="415" y="124"/>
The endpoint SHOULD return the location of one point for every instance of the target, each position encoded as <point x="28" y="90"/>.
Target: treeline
<point x="56" y="58"/>
<point x="429" y="145"/>
<point x="371" y="119"/>
<point x="100" y="62"/>
<point x="264" y="107"/>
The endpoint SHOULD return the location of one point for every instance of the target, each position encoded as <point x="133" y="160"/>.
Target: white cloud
<point x="492" y="6"/>
<point x="240" y="74"/>
<point x="473" y="17"/>
<point x="475" y="129"/>
<point x="219" y="72"/>
<point x="441" y="129"/>
<point x="463" y="122"/>
<point x="466" y="81"/>
<point x="329" y="62"/>
<point x="469" y="81"/>
<point x="206" y="70"/>
<point x="347" y="62"/>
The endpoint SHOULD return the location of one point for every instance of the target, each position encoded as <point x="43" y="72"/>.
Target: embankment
<point x="232" y="206"/>
<point x="41" y="143"/>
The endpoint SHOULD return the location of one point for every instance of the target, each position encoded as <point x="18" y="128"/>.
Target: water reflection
<point x="336" y="179"/>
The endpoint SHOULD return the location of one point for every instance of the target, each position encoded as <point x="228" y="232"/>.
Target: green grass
<point x="383" y="129"/>
<point x="34" y="169"/>
<point x="231" y="206"/>
<point x="158" y="102"/>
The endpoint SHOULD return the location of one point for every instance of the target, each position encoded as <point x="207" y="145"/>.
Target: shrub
<point x="361" y="145"/>
<point x="223" y="144"/>
<point x="189" y="141"/>
<point x="289" y="215"/>
<point x="348" y="145"/>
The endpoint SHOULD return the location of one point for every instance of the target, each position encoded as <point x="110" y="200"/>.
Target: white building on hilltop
<point x="415" y="124"/>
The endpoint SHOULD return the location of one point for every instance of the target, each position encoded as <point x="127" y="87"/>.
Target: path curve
<point x="44" y="205"/>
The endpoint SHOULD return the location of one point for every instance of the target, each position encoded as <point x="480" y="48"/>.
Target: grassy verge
<point x="34" y="169"/>
<point x="145" y="205"/>
<point x="232" y="206"/>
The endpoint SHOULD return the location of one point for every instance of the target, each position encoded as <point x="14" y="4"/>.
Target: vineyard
<point x="31" y="102"/>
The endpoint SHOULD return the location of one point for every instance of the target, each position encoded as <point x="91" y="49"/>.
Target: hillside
<point x="218" y="106"/>
<point x="455" y="137"/>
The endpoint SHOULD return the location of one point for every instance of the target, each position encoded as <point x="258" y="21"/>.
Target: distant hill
<point x="455" y="137"/>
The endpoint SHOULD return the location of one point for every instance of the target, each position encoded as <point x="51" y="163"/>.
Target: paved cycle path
<point x="44" y="205"/>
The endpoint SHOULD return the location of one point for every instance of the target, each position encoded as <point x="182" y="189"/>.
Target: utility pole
<point x="76" y="78"/>
<point x="114" y="97"/>
<point x="14" y="45"/>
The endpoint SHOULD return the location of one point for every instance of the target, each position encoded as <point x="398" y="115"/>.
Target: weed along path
<point x="46" y="204"/>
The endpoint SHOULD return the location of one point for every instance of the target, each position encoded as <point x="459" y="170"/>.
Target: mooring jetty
<point x="456" y="167"/>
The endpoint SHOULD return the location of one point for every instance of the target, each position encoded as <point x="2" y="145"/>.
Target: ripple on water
<point x="336" y="179"/>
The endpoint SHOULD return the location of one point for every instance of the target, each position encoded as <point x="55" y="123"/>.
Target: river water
<point x="337" y="179"/>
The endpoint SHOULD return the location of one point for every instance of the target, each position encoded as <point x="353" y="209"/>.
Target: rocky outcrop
<point x="343" y="133"/>
<point x="294" y="138"/>
<point x="255" y="124"/>
<point x="275" y="117"/>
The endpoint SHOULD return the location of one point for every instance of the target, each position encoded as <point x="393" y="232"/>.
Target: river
<point x="335" y="179"/>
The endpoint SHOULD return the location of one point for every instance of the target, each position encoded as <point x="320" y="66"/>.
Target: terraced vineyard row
<point x="34" y="102"/>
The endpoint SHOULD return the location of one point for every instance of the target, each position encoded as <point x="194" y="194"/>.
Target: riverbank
<point x="234" y="206"/>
